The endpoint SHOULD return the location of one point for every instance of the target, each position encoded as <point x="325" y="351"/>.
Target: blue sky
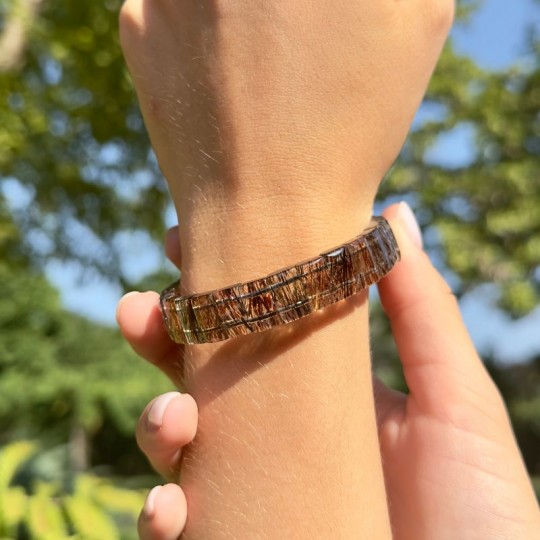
<point x="494" y="37"/>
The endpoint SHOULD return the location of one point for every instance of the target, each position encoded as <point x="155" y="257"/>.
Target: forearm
<point x="287" y="445"/>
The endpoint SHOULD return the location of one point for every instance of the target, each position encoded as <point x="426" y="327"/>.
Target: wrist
<point x="232" y="238"/>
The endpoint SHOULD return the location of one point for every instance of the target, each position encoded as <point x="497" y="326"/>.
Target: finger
<point x="141" y="324"/>
<point x="387" y="401"/>
<point x="167" y="424"/>
<point x="164" y="514"/>
<point x="172" y="246"/>
<point x="439" y="360"/>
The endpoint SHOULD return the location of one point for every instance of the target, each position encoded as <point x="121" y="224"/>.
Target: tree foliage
<point x="73" y="138"/>
<point x="60" y="371"/>
<point x="95" y="509"/>
<point x="484" y="209"/>
<point x="76" y="172"/>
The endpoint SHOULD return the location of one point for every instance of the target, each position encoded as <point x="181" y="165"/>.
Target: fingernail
<point x="127" y="295"/>
<point x="121" y="301"/>
<point x="149" y="508"/>
<point x="156" y="413"/>
<point x="408" y="219"/>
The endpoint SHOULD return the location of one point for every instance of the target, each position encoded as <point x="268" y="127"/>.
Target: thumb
<point x="440" y="363"/>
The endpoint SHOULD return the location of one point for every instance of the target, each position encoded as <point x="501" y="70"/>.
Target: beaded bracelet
<point x="283" y="296"/>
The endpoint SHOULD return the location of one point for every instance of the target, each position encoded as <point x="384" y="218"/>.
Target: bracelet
<point x="283" y="296"/>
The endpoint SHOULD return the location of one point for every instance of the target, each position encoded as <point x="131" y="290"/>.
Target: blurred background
<point x="83" y="210"/>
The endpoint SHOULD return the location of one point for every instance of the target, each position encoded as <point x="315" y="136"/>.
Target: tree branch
<point x="14" y="38"/>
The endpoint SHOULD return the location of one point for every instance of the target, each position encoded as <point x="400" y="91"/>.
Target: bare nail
<point x="157" y="410"/>
<point x="149" y="508"/>
<point x="407" y="217"/>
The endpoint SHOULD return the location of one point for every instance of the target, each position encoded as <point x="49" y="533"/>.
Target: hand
<point x="451" y="464"/>
<point x="269" y="96"/>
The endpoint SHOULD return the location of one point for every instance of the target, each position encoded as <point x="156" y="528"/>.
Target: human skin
<point x="452" y="466"/>
<point x="274" y="123"/>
